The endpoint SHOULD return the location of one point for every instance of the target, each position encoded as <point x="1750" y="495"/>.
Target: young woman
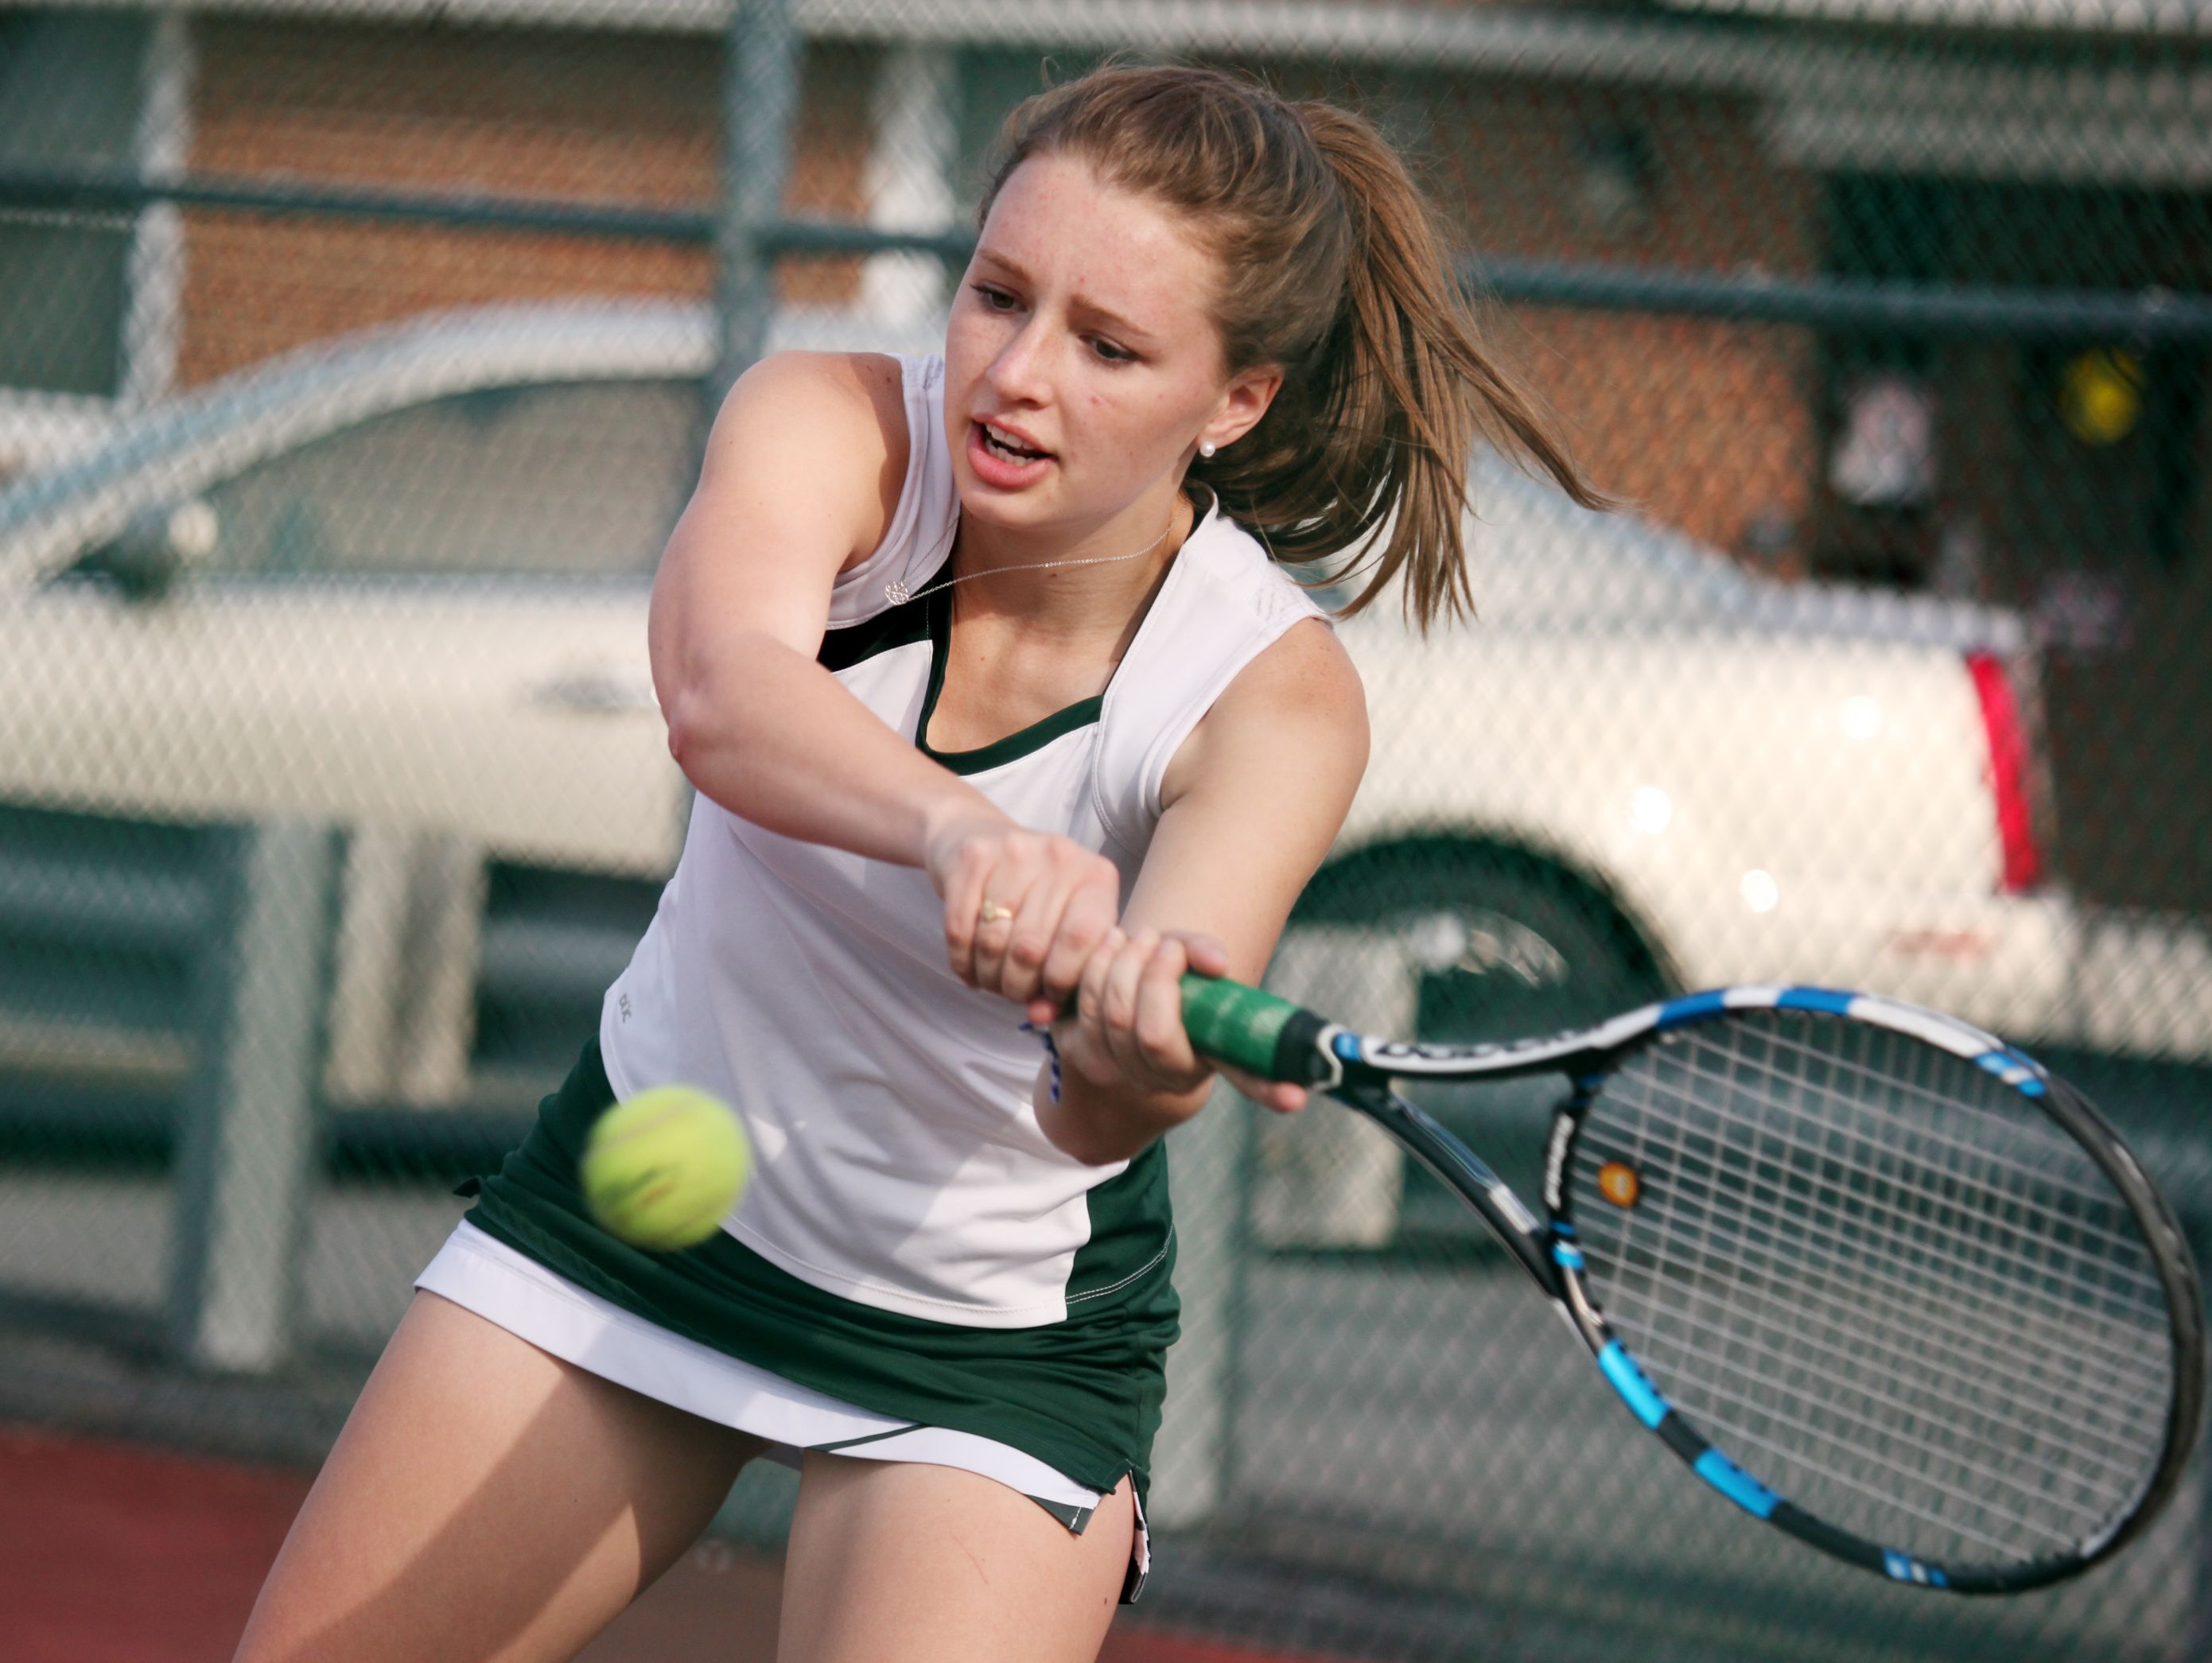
<point x="1000" y="716"/>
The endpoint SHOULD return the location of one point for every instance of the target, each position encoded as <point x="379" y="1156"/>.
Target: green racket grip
<point x="1253" y="1030"/>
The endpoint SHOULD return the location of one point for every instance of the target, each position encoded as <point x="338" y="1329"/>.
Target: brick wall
<point x="1703" y="425"/>
<point x="570" y="116"/>
<point x="1706" y="424"/>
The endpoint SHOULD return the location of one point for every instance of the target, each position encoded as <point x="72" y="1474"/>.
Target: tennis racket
<point x="1877" y="1278"/>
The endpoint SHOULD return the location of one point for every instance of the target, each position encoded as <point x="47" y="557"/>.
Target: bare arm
<point x="1255" y="797"/>
<point x="801" y="478"/>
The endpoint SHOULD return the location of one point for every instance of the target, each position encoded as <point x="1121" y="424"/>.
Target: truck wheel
<point x="1468" y="945"/>
<point x="1505" y="946"/>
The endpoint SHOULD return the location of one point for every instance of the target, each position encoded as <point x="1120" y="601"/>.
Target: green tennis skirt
<point x="1070" y="1407"/>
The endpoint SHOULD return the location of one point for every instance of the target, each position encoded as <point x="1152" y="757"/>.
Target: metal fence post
<point x="1190" y="1463"/>
<point x="246" y="1140"/>
<point x="908" y="178"/>
<point x="760" y="100"/>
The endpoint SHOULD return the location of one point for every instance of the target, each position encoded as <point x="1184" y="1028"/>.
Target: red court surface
<point x="110" y="1554"/>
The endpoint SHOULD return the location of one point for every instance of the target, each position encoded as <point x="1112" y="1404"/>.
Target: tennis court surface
<point x="110" y="1554"/>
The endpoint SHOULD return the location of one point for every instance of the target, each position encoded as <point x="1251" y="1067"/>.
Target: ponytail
<point x="1334" y="269"/>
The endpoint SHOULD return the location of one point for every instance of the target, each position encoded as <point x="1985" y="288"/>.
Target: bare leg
<point x="486" y="1500"/>
<point x="894" y="1562"/>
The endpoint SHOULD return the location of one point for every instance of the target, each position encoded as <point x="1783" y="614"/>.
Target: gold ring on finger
<point x="992" y="913"/>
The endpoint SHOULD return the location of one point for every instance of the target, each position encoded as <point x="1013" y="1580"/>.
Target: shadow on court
<point x="112" y="1554"/>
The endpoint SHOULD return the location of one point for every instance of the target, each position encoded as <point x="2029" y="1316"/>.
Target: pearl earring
<point x="1207" y="447"/>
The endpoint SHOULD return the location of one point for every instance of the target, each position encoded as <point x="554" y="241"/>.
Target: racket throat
<point x="1516" y="1229"/>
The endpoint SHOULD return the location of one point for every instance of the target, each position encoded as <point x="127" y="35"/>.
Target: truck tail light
<point x="2011" y="771"/>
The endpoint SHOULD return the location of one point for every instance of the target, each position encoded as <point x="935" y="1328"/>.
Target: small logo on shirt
<point x="622" y="1004"/>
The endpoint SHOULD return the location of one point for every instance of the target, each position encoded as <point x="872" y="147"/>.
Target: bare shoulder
<point x="1299" y="698"/>
<point x="1302" y="681"/>
<point x="864" y="387"/>
<point x="808" y="396"/>
<point x="832" y="423"/>
<point x="1308" y="666"/>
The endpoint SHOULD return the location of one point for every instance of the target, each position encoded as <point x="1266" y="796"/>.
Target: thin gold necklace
<point x="898" y="594"/>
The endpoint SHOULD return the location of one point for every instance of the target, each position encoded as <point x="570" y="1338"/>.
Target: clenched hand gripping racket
<point x="1879" y="1278"/>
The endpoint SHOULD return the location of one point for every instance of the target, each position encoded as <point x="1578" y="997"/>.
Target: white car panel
<point x="422" y="705"/>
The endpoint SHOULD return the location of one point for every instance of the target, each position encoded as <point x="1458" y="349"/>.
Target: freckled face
<point x="1081" y="360"/>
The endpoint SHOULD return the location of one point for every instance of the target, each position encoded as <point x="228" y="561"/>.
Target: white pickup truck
<point x="396" y="584"/>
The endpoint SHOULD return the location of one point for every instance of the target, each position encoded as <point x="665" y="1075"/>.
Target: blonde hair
<point x="1334" y="269"/>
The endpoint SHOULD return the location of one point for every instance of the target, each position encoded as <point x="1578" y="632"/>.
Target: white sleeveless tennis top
<point x="898" y="1160"/>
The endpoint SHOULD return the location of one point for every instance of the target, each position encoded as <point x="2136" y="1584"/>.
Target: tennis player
<point x="1000" y="715"/>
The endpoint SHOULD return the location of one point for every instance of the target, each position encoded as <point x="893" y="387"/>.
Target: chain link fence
<point x="355" y="359"/>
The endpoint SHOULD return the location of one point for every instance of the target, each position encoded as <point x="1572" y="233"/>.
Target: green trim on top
<point x="1035" y="736"/>
<point x="895" y="626"/>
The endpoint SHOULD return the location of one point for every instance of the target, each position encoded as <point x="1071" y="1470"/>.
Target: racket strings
<point x="1862" y="1078"/>
<point x="1741" y="1253"/>
<point x="1881" y="1490"/>
<point x="1918" y="1235"/>
<point x="1832" y="1333"/>
<point x="1960" y="1275"/>
<point x="1740" y="1383"/>
<point x="1754" y="1363"/>
<point x="1703" y="1175"/>
<point x="1879" y="1265"/>
<point x="2098" y="1193"/>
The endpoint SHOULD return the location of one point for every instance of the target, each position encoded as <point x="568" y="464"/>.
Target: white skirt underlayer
<point x="483" y="1274"/>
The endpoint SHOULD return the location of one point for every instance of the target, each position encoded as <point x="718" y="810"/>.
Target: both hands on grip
<point x="1034" y="916"/>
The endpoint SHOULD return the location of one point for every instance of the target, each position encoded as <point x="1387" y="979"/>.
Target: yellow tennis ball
<point x="663" y="1170"/>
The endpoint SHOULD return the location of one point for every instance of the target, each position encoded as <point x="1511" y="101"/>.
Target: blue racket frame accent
<point x="1646" y="1403"/>
<point x="1628" y="1379"/>
<point x="2023" y="1074"/>
<point x="1738" y="1485"/>
<point x="1690" y="1007"/>
<point x="1904" y="1568"/>
<point x="1825" y="1000"/>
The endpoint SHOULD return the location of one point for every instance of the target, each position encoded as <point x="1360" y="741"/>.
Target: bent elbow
<point x="683" y="730"/>
<point x="693" y="729"/>
<point x="713" y="702"/>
